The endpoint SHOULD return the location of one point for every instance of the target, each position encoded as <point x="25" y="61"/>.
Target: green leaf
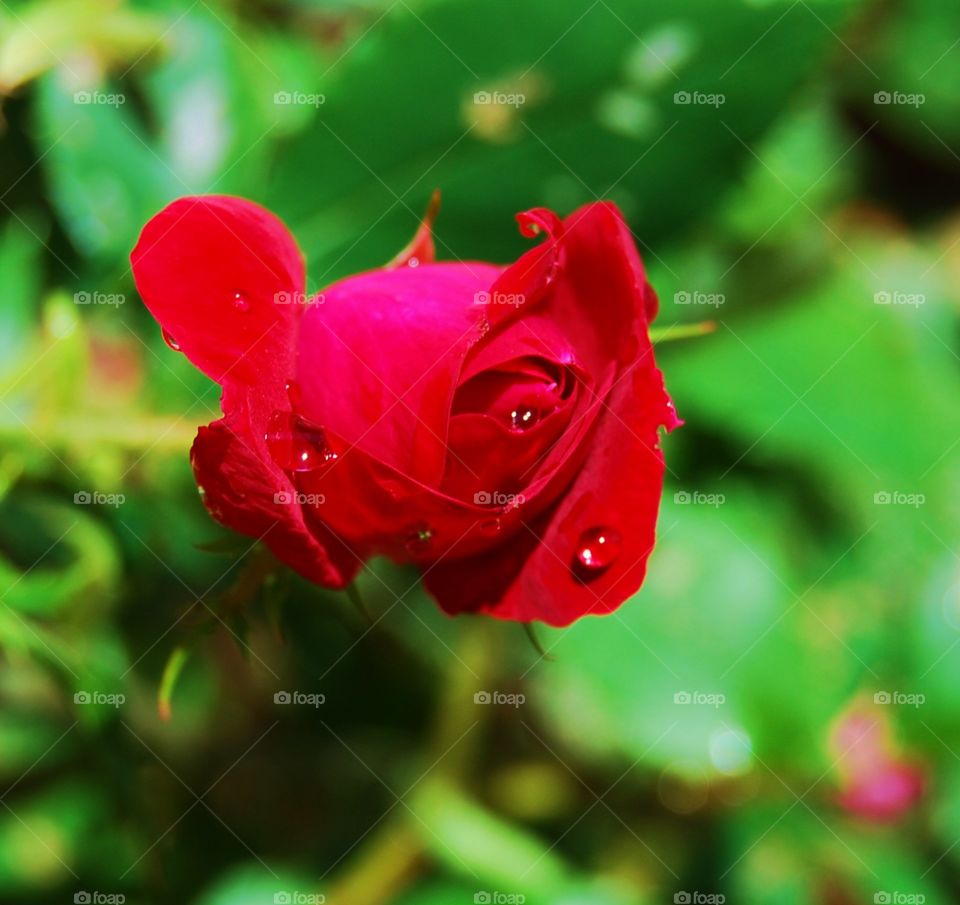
<point x="340" y="183"/>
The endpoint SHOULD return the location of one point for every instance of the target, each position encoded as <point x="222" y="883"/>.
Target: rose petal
<point x="380" y="358"/>
<point x="619" y="485"/>
<point x="248" y="495"/>
<point x="223" y="277"/>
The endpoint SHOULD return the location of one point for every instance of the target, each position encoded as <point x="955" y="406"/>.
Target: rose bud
<point x="497" y="426"/>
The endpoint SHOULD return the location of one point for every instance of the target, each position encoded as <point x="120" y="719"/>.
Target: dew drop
<point x="419" y="540"/>
<point x="524" y="417"/>
<point x="413" y="262"/>
<point x="597" y="549"/>
<point x="490" y="527"/>
<point x="241" y="302"/>
<point x="170" y="341"/>
<point x="394" y="488"/>
<point x="297" y="445"/>
<point x="292" y="389"/>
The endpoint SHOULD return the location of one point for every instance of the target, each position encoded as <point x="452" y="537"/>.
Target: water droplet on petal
<point x="413" y="262"/>
<point x="170" y="341"/>
<point x="394" y="488"/>
<point x="490" y="527"/>
<point x="240" y="302"/>
<point x="419" y="540"/>
<point x="292" y="389"/>
<point x="297" y="445"/>
<point x="597" y="549"/>
<point x="524" y="417"/>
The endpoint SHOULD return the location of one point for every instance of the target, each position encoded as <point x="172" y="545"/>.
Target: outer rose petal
<point x="212" y="270"/>
<point x="242" y="492"/>
<point x="618" y="487"/>
<point x="224" y="278"/>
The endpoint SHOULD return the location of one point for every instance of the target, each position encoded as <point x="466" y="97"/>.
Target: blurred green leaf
<point x="348" y="193"/>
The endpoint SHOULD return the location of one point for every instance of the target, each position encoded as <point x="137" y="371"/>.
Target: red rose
<point x="497" y="426"/>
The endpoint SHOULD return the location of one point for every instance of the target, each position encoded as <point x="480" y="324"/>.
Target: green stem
<point x="168" y="681"/>
<point x="681" y="331"/>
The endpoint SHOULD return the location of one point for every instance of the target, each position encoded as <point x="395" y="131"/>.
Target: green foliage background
<point x="783" y="582"/>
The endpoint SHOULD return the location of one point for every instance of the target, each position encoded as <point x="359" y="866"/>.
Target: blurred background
<point x="774" y="717"/>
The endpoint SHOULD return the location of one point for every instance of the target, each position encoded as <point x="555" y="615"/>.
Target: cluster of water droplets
<point x="299" y="446"/>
